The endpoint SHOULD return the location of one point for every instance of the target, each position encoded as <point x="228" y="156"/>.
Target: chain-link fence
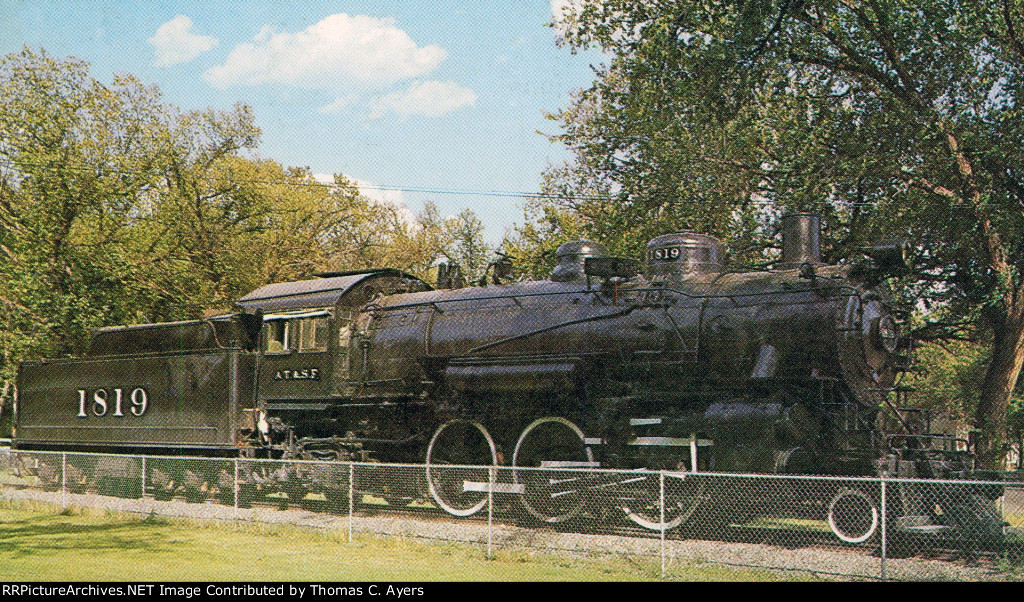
<point x="827" y="526"/>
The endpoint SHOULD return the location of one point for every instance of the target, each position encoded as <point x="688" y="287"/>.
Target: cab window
<point x="313" y="333"/>
<point x="344" y="340"/>
<point x="302" y="331"/>
<point x="277" y="336"/>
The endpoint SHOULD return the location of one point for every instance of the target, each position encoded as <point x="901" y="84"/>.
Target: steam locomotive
<point x="675" y="365"/>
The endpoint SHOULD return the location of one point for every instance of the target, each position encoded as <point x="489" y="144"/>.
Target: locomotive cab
<point x="309" y="352"/>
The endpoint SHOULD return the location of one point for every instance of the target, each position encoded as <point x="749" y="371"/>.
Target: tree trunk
<point x="1020" y="451"/>
<point x="997" y="389"/>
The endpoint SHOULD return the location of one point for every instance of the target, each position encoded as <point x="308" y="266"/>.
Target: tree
<point x="889" y="117"/>
<point x="242" y="223"/>
<point x="945" y="378"/>
<point x="116" y="208"/>
<point x="76" y="155"/>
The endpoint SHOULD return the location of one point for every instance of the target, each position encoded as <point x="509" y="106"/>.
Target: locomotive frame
<point x="685" y="368"/>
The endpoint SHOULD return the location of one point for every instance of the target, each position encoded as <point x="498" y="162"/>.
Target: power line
<point x="313" y="183"/>
<point x="460" y="191"/>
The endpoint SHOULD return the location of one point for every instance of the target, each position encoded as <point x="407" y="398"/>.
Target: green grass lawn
<point x="39" y="542"/>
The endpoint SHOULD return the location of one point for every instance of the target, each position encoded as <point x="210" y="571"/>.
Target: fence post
<point x="1002" y="515"/>
<point x="661" y="482"/>
<point x="63" y="481"/>
<point x="236" y="487"/>
<point x="351" y="497"/>
<point x="885" y="534"/>
<point x="143" y="478"/>
<point x="490" y="509"/>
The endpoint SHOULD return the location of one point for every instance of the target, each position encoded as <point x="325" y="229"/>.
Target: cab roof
<point x="319" y="292"/>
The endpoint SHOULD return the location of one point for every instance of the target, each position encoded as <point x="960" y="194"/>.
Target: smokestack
<point x="800" y="240"/>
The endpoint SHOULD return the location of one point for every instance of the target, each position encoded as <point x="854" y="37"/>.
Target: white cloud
<point x="429" y="98"/>
<point x="175" y="43"/>
<point x="340" y="53"/>
<point x="395" y="198"/>
<point x="564" y="12"/>
<point x="558" y="8"/>
<point x="337" y="106"/>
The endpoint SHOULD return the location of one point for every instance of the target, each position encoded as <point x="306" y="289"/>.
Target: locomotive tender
<point x="684" y="367"/>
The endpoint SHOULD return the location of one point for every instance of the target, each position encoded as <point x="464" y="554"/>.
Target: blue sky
<point x="398" y="94"/>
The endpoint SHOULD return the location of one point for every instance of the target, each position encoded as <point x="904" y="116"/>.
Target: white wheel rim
<point x="656" y="525"/>
<point x="430" y="482"/>
<point x="515" y="464"/>
<point x="838" y="531"/>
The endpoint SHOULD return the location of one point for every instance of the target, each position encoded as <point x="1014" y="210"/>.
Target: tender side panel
<point x="193" y="400"/>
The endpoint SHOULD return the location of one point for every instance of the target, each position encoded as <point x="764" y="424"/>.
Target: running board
<point x="495" y="488"/>
<point x="927" y="529"/>
<point x="670" y="441"/>
<point x="568" y="464"/>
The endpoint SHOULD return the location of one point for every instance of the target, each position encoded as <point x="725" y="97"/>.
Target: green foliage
<point x="945" y="378"/>
<point x="546" y="227"/>
<point x="75" y="156"/>
<point x="706" y="109"/>
<point x="946" y="374"/>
